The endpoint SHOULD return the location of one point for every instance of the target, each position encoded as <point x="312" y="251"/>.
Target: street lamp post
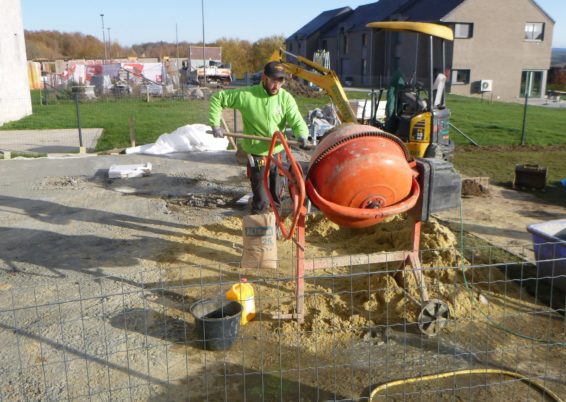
<point x="203" y="46"/>
<point x="104" y="38"/>
<point x="109" y="44"/>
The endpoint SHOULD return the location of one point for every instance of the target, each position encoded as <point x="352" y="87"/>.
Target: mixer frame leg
<point x="300" y="290"/>
<point x="415" y="262"/>
<point x="299" y="241"/>
<point x="434" y="313"/>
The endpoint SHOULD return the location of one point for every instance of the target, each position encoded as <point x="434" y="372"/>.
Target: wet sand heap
<point x="346" y="303"/>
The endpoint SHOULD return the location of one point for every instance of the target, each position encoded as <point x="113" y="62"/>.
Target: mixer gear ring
<point x="356" y="131"/>
<point x="433" y="317"/>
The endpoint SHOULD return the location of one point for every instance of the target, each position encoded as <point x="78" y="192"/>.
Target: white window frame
<point x="470" y="34"/>
<point x="530" y="31"/>
<point x="529" y="79"/>
<point x="454" y="76"/>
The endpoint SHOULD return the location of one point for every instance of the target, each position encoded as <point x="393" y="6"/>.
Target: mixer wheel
<point x="433" y="317"/>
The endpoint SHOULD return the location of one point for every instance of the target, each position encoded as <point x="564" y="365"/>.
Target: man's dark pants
<point x="260" y="201"/>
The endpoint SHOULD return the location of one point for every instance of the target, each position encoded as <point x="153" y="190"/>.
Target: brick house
<point x="504" y="44"/>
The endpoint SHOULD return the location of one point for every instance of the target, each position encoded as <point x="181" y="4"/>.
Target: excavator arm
<point x="322" y="77"/>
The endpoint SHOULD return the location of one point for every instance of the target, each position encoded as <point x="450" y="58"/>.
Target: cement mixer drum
<point x="360" y="174"/>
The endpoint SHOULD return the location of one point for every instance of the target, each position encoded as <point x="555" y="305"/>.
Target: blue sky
<point x="141" y="21"/>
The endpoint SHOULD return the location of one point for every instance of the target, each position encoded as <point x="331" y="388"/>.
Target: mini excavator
<point x="417" y="113"/>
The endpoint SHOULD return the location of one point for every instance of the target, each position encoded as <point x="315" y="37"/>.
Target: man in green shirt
<point x="265" y="108"/>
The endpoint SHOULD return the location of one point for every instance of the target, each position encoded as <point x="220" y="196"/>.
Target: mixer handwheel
<point x="296" y="185"/>
<point x="433" y="317"/>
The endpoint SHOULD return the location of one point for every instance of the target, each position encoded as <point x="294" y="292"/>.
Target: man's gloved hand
<point x="304" y="143"/>
<point x="218" y="132"/>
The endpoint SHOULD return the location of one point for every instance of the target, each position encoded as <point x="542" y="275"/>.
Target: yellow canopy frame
<point x="439" y="31"/>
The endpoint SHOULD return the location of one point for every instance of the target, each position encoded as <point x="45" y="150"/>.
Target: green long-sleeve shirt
<point x="262" y="115"/>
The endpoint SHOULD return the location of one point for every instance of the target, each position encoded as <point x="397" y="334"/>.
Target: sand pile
<point x="472" y="188"/>
<point x="298" y="89"/>
<point x="342" y="304"/>
<point x="350" y="302"/>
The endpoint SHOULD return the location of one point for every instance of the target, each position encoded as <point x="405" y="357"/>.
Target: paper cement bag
<point x="260" y="241"/>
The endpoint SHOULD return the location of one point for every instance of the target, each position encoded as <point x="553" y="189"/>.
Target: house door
<point x="532" y="84"/>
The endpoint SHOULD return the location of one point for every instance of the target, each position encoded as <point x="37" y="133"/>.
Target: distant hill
<point x="558" y="56"/>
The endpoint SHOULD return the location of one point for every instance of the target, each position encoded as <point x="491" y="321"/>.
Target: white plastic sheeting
<point x="189" y="138"/>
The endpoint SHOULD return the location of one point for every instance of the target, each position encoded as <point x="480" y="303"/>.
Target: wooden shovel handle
<point x="253" y="137"/>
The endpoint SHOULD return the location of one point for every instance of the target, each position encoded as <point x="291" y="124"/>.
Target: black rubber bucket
<point x="217" y="322"/>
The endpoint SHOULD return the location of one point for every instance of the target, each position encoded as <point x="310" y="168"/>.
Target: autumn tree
<point x="557" y="79"/>
<point x="41" y="50"/>
<point x="237" y="53"/>
<point x="263" y="48"/>
<point x="58" y="45"/>
<point x="41" y="44"/>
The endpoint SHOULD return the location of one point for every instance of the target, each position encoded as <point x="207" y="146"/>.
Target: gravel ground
<point x="80" y="271"/>
<point x="89" y="310"/>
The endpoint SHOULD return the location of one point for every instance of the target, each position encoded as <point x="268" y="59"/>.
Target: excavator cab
<point x="416" y="111"/>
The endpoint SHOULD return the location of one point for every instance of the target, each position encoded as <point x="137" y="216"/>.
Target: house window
<point x="324" y="44"/>
<point x="299" y="46"/>
<point x="460" y="77"/>
<point x="364" y="39"/>
<point x="534" y="31"/>
<point x="531" y="83"/>
<point x="290" y="46"/>
<point x="364" y="67"/>
<point x="464" y="30"/>
<point x="345" y="43"/>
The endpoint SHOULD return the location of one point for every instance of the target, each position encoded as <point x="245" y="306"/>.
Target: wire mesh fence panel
<point x="142" y="337"/>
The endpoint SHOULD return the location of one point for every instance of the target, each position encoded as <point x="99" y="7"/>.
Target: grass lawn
<point x="501" y="123"/>
<point x="498" y="163"/>
<point x="497" y="127"/>
<point x="151" y="119"/>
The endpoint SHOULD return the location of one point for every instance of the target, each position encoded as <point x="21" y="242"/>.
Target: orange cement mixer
<point x="357" y="176"/>
<point x="360" y="174"/>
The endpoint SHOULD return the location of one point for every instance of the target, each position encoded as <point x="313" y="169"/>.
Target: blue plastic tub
<point x="549" y="241"/>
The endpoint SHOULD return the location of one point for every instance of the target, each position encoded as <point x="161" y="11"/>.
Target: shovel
<point x="246" y="136"/>
<point x="253" y="137"/>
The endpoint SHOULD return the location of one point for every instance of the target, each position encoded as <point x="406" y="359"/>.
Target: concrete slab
<point x="49" y="141"/>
